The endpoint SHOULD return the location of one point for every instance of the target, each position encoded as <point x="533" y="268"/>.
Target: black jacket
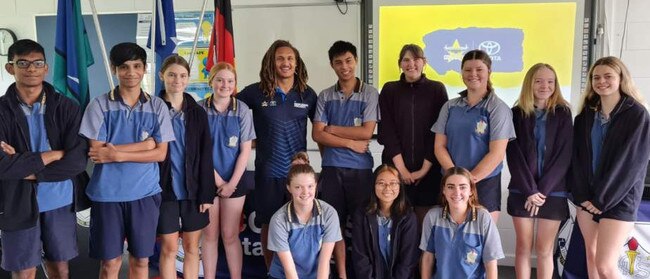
<point x="522" y="153"/>
<point x="408" y="111"/>
<point x="619" y="177"/>
<point x="18" y="206"/>
<point x="366" y="256"/>
<point x="199" y="170"/>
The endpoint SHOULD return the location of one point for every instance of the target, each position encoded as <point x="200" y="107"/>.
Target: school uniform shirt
<point x="470" y="129"/>
<point x="609" y="164"/>
<point x="334" y="108"/>
<point x="280" y="125"/>
<point x="109" y="119"/>
<point x="57" y="120"/>
<point x="540" y="156"/>
<point x="228" y="129"/>
<point x="304" y="241"/>
<point x="462" y="249"/>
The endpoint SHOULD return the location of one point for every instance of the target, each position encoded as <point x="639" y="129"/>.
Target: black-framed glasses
<point x="24" y="64"/>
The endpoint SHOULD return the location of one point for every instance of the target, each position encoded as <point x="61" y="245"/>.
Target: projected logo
<point x="444" y="49"/>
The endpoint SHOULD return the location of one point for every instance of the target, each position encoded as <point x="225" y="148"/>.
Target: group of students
<point x="161" y="160"/>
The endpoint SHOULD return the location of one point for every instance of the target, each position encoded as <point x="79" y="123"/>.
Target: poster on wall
<point x="186" y="25"/>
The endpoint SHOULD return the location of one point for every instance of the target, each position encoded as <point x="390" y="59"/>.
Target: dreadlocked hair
<point x="267" y="72"/>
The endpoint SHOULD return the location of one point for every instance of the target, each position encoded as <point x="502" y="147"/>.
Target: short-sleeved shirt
<point x="109" y="119"/>
<point x="228" y="130"/>
<point x="470" y="129"/>
<point x="334" y="108"/>
<point x="461" y="249"/>
<point x="50" y="195"/>
<point x="304" y="241"/>
<point x="177" y="154"/>
<point x="280" y="125"/>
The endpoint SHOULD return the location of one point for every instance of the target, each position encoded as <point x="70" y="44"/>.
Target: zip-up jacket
<point x="199" y="174"/>
<point x="408" y="111"/>
<point x="619" y="177"/>
<point x="366" y="256"/>
<point x="522" y="153"/>
<point x="18" y="205"/>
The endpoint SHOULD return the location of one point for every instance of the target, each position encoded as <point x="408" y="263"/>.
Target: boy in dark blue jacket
<point x="41" y="161"/>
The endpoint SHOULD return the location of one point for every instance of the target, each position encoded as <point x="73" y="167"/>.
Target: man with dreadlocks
<point x="281" y="103"/>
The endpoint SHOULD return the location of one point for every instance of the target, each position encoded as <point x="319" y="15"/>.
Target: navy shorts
<point x="554" y="208"/>
<point x="270" y="195"/>
<point x="181" y="215"/>
<point x="113" y="222"/>
<point x="427" y="192"/>
<point x="345" y="189"/>
<point x="54" y="237"/>
<point x="489" y="193"/>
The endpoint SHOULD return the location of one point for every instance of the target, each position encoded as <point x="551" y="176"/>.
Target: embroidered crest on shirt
<point x="481" y="126"/>
<point x="265" y="104"/>
<point x="357" y="121"/>
<point x="232" y="141"/>
<point x="471" y="257"/>
<point x="144" y="136"/>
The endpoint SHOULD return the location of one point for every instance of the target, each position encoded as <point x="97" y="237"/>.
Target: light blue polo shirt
<point x="228" y="130"/>
<point x="334" y="108"/>
<point x="470" y="129"/>
<point x="304" y="241"/>
<point x="461" y="249"/>
<point x="109" y="119"/>
<point x="177" y="154"/>
<point x="49" y="195"/>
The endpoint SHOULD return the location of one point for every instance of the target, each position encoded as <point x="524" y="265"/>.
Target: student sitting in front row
<point x="460" y="235"/>
<point x="302" y="233"/>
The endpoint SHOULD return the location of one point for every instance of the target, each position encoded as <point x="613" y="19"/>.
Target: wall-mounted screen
<point x="515" y="35"/>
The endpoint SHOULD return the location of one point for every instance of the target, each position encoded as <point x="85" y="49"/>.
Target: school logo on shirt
<point x="357" y="121"/>
<point x="471" y="257"/>
<point x="232" y="141"/>
<point x="144" y="136"/>
<point x="481" y="126"/>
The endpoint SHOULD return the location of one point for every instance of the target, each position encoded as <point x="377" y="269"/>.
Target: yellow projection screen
<point x="515" y="35"/>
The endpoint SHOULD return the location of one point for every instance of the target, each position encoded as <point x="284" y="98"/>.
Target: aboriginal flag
<point x="222" y="45"/>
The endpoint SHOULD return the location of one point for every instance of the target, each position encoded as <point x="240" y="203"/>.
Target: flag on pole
<point x="222" y="45"/>
<point x="165" y="36"/>
<point x="72" y="53"/>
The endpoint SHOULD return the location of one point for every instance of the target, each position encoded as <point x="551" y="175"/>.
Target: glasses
<point x="392" y="184"/>
<point x="24" y="64"/>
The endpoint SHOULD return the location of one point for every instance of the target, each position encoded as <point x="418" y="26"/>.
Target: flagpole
<point x="153" y="47"/>
<point x="101" y="43"/>
<point x="196" y="34"/>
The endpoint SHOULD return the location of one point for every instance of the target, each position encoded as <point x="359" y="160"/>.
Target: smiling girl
<point x="610" y="158"/>
<point x="473" y="130"/>
<point x="302" y="233"/>
<point x="383" y="242"/>
<point x="460" y="236"/>
<point x="539" y="160"/>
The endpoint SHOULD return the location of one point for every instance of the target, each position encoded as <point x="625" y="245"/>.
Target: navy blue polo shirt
<point x="334" y="108"/>
<point x="228" y="129"/>
<point x="109" y="119"/>
<point x="50" y="195"/>
<point x="280" y="125"/>
<point x="598" y="132"/>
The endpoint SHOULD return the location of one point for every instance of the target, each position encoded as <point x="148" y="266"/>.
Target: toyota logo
<point x="490" y="47"/>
